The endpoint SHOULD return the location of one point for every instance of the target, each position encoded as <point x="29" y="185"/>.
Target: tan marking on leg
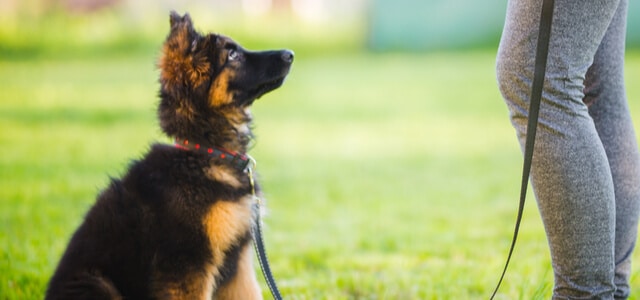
<point x="225" y="223"/>
<point x="197" y="285"/>
<point x="244" y="285"/>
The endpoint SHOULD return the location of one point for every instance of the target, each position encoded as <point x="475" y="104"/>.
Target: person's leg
<point x="570" y="174"/>
<point x="605" y="95"/>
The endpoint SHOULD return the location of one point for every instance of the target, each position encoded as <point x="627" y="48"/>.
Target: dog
<point x="178" y="224"/>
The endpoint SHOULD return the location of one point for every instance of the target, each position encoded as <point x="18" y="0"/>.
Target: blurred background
<point x="92" y="27"/>
<point x="387" y="157"/>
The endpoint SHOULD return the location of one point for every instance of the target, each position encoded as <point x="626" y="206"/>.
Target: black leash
<point x="542" y="51"/>
<point x="264" y="262"/>
<point x="258" y="240"/>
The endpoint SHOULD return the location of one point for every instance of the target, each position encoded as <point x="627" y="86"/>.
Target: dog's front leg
<point x="199" y="285"/>
<point x="244" y="284"/>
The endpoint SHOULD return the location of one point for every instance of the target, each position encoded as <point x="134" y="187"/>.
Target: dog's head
<point x="209" y="81"/>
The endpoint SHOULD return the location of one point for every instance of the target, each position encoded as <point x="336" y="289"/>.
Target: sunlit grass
<point x="388" y="176"/>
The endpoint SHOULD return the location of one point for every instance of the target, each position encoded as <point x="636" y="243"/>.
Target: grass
<point x="388" y="176"/>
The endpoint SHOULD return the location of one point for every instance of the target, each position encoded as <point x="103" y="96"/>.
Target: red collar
<point x="237" y="160"/>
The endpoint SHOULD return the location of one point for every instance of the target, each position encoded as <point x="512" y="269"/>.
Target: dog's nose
<point x="287" y="56"/>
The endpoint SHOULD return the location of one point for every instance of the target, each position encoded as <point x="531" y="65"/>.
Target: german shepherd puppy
<point x="178" y="224"/>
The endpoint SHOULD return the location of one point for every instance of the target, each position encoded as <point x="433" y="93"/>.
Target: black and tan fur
<point x="177" y="224"/>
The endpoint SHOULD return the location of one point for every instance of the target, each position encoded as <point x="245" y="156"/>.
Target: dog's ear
<point x="174" y="18"/>
<point x="182" y="68"/>
<point x="178" y="22"/>
<point x="182" y="31"/>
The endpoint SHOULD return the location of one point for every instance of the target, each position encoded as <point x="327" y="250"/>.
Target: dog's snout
<point x="287" y="56"/>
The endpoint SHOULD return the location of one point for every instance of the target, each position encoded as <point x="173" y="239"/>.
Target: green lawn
<point x="388" y="176"/>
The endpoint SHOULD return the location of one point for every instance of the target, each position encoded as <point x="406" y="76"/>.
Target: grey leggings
<point x="586" y="165"/>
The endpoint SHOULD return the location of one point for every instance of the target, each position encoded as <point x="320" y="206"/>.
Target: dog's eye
<point x="233" y="55"/>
